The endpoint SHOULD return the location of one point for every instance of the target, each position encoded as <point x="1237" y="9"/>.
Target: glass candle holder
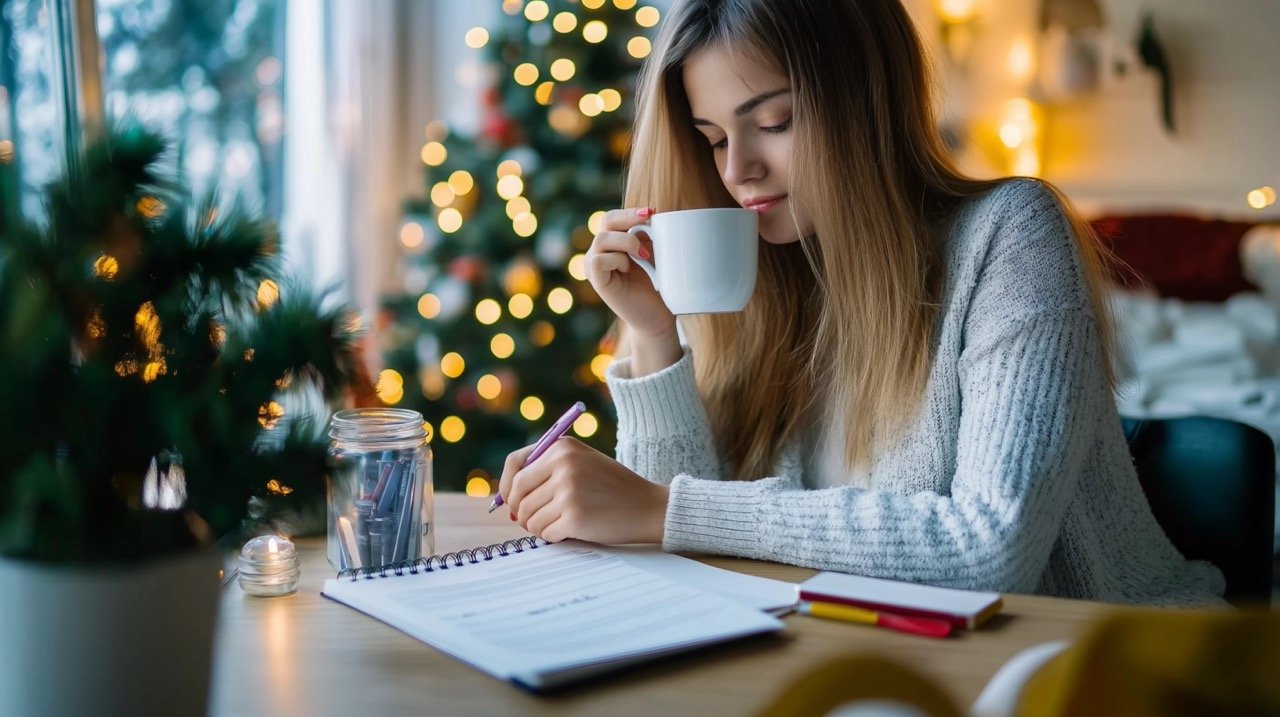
<point x="269" y="566"/>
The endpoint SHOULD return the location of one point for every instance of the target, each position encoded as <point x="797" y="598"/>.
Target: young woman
<point x="919" y="387"/>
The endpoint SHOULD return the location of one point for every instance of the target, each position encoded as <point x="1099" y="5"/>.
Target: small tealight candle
<point x="269" y="566"/>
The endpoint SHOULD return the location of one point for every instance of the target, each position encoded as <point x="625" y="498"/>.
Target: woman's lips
<point x="764" y="204"/>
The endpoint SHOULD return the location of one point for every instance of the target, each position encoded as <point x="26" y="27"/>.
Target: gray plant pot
<point x="134" y="639"/>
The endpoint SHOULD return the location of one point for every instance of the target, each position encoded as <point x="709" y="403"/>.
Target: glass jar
<point x="269" y="566"/>
<point x="380" y="492"/>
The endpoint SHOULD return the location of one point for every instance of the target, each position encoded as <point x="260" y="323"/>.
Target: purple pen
<point x="552" y="435"/>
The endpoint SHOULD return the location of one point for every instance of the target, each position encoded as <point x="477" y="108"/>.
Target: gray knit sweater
<point x="1014" y="476"/>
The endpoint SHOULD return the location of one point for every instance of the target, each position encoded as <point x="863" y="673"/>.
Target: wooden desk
<point x="306" y="655"/>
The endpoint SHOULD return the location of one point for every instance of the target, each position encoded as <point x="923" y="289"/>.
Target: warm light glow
<point x="488" y="312"/>
<point x="268" y="294"/>
<point x="639" y="47"/>
<point x="542" y="93"/>
<point x="434" y="154"/>
<point x="567" y="121"/>
<point x="1011" y="134"/>
<point x="450" y="220"/>
<point x="461" y="182"/>
<point x="624" y="4"/>
<point x="153" y="370"/>
<point x="269" y="415"/>
<point x="1019" y="132"/>
<point x="542" y="333"/>
<point x="452" y="364"/>
<point x="478" y="487"/>
<point x="595" y="31"/>
<point x="593" y="4"/>
<point x="591" y="104"/>
<point x="595" y="221"/>
<point x="578" y="267"/>
<point x="517" y="206"/>
<point x="442" y="195"/>
<point x="510" y="186"/>
<point x="272" y="548"/>
<point x="452" y="429"/>
<point x="427" y="431"/>
<point x="955" y="11"/>
<point x="565" y="22"/>
<point x="610" y="99"/>
<point x="531" y="408"/>
<point x="563" y="69"/>
<point x="526" y="73"/>
<point x="647" y="16"/>
<point x="536" y="11"/>
<point x="508" y="168"/>
<point x="525" y="225"/>
<point x="522" y="279"/>
<point x="560" y="300"/>
<point x="390" y="387"/>
<point x="586" y="425"/>
<point x="411" y="234"/>
<point x="1269" y="194"/>
<point x="436" y="131"/>
<point x="502" y="345"/>
<point x="512" y="7"/>
<point x="149" y="207"/>
<point x="520" y="306"/>
<point x="600" y="364"/>
<point x="432" y="388"/>
<point x="106" y="267"/>
<point x="476" y="38"/>
<point x="429" y="306"/>
<point x="488" y="386"/>
<point x="1261" y="198"/>
<point x="1021" y="61"/>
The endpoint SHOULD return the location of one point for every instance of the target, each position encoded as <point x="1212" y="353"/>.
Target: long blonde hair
<point x="848" y="311"/>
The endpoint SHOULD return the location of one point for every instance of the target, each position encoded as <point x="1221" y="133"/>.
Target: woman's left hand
<point x="574" y="491"/>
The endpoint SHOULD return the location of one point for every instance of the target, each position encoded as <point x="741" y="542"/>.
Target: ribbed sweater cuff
<point x="710" y="516"/>
<point x="660" y="405"/>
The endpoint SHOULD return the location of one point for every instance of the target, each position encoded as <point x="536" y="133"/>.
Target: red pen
<point x="928" y="627"/>
<point x="552" y="435"/>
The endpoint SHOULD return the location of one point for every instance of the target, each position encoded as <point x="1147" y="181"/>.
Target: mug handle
<point x="648" y="267"/>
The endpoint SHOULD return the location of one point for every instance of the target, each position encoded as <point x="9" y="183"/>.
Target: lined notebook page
<point x="550" y="615"/>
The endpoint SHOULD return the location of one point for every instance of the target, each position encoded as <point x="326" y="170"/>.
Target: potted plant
<point x="148" y="346"/>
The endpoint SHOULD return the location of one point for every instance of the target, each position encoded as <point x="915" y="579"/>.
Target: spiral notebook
<point x="544" y="615"/>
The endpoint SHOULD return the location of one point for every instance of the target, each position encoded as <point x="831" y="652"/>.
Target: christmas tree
<point x="498" y="331"/>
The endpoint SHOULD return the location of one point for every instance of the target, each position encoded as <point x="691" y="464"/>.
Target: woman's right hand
<point x="625" y="287"/>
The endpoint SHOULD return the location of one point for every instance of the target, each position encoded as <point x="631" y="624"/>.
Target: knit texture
<point x="1013" y="477"/>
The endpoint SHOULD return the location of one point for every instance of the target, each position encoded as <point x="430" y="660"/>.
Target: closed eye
<point x="777" y="128"/>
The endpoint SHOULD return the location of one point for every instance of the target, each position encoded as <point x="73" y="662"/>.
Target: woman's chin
<point x="779" y="237"/>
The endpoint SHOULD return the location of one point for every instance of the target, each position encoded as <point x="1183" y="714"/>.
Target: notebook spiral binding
<point x="458" y="558"/>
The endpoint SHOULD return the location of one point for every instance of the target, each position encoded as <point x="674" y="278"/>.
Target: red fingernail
<point x="513" y="517"/>
<point x="644" y="212"/>
<point x="645" y="253"/>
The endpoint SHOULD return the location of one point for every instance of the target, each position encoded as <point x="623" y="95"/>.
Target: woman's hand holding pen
<point x="629" y="292"/>
<point x="574" y="491"/>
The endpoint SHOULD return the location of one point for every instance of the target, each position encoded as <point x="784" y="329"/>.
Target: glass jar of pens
<point x="380" y="488"/>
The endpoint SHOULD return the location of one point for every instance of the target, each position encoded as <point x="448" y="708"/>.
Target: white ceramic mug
<point x="704" y="260"/>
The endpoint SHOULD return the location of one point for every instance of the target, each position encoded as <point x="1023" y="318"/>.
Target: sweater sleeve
<point x="1029" y="394"/>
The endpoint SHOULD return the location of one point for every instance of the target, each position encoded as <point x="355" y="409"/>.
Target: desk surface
<point x="306" y="655"/>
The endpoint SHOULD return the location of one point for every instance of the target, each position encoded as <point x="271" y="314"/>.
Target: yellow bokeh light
<point x="600" y="364"/>
<point x="517" y="206"/>
<point x="639" y="47"/>
<point x="477" y="37"/>
<point x="1021" y="60"/>
<point x="488" y="386"/>
<point x="268" y="294"/>
<point x="578" y="267"/>
<point x="525" y="225"/>
<point x="1269" y="194"/>
<point x="610" y="99"/>
<point x="563" y="69"/>
<point x="595" y="32"/>
<point x="591" y="104"/>
<point x="428" y="431"/>
<point x="510" y="186"/>
<point x="452" y="364"/>
<point x="542" y="94"/>
<point x="390" y="386"/>
<point x="512" y="7"/>
<point x="153" y="370"/>
<point x="488" y="312"/>
<point x="1256" y="199"/>
<point x="536" y="11"/>
<point x="508" y="168"/>
<point x="542" y="333"/>
<point x="586" y="425"/>
<point x="450" y="220"/>
<point x="434" y="154"/>
<point x="526" y="73"/>
<point x="150" y="208"/>
<point x="502" y="345"/>
<point x="442" y="195"/>
<point x="461" y="182"/>
<point x="624" y="4"/>
<point x="432" y="388"/>
<point x="595" y="221"/>
<point x="522" y="279"/>
<point x="478" y="487"/>
<point x="411" y="234"/>
<point x="520" y="306"/>
<point x="560" y="300"/>
<point x="269" y="414"/>
<point x="647" y="16"/>
<point x="429" y="306"/>
<point x="106" y="267"/>
<point x="531" y="408"/>
<point x="565" y="22"/>
<point x="452" y="429"/>
<point x="1011" y="135"/>
<point x="567" y="121"/>
<point x="593" y="4"/>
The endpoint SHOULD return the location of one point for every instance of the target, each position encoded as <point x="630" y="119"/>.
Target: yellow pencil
<point x="927" y="627"/>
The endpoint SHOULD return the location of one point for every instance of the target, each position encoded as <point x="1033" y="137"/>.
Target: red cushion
<point x="1179" y="256"/>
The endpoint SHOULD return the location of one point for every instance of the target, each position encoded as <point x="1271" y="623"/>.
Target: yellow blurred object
<point x="845" y="681"/>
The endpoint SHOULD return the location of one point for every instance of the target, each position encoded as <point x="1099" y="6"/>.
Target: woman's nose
<point x="742" y="164"/>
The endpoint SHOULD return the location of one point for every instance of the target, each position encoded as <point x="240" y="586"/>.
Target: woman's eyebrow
<point x="749" y="105"/>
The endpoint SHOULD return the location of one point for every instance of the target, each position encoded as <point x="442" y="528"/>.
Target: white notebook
<point x="553" y="614"/>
